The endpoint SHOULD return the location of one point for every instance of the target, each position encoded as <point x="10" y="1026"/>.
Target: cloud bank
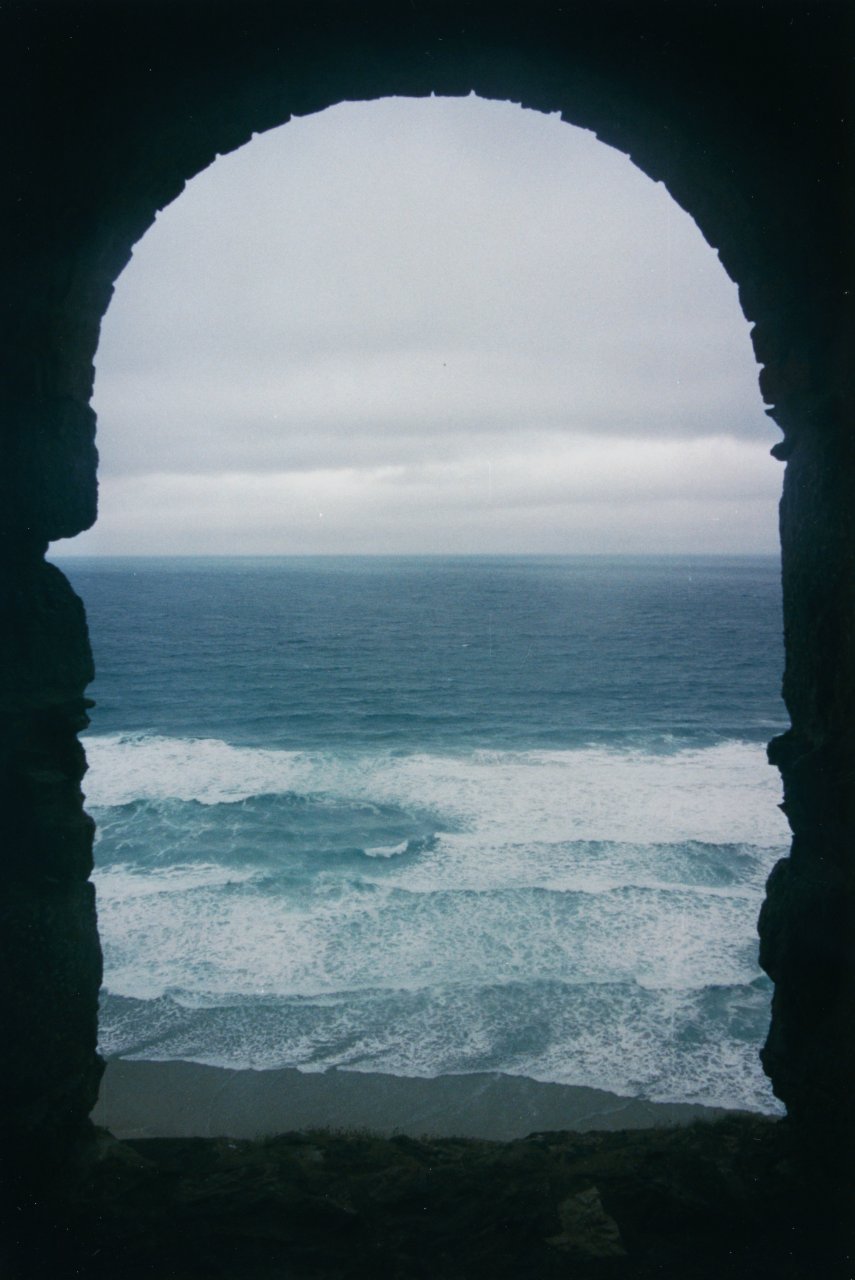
<point x="439" y="325"/>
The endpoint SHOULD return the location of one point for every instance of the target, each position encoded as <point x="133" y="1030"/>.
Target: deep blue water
<point x="438" y="814"/>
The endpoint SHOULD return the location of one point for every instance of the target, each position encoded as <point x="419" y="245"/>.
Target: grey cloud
<point x="399" y="406"/>
<point x="262" y="515"/>
<point x="392" y="283"/>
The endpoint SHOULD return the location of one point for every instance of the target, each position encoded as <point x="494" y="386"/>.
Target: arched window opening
<point x="473" y="779"/>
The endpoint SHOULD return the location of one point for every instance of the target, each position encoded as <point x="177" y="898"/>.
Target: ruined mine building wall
<point x="742" y="109"/>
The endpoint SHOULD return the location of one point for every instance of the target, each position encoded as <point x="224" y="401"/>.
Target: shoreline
<point x="180" y="1099"/>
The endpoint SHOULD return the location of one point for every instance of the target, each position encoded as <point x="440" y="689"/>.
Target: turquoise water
<point x="439" y="814"/>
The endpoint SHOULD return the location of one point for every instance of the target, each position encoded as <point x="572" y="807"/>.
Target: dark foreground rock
<point x="707" y="1200"/>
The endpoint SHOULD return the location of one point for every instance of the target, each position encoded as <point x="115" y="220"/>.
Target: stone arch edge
<point x="692" y="138"/>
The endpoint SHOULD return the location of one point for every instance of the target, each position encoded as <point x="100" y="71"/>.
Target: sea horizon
<point x="415" y="555"/>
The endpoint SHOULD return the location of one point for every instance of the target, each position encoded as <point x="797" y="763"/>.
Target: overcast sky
<point x="441" y="325"/>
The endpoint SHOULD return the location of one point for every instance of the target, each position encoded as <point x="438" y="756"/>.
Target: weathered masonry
<point x="742" y="109"/>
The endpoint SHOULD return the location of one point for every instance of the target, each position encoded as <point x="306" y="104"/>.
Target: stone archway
<point x="741" y="112"/>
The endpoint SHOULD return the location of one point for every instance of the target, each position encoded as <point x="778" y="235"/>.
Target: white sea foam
<point x="589" y="869"/>
<point x="388" y="850"/>
<point x="662" y="1046"/>
<point x="127" y="883"/>
<point x="198" y="932"/>
<point x="721" y="794"/>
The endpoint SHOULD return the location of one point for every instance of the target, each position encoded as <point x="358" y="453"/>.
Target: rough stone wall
<point x="50" y="958"/>
<point x="742" y="109"/>
<point x="807" y="923"/>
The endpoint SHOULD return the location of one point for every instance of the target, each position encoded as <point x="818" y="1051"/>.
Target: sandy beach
<point x="185" y="1099"/>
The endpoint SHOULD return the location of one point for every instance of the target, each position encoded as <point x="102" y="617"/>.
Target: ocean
<point x="440" y="814"/>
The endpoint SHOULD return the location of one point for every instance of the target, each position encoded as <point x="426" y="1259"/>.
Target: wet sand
<point x="185" y="1099"/>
